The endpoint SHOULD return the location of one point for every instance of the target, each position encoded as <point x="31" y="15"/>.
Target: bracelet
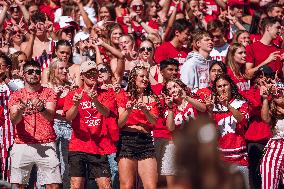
<point x="43" y="109"/>
<point x="140" y="22"/>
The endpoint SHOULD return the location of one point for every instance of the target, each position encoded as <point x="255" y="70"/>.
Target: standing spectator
<point x="88" y="108"/>
<point x="58" y="81"/>
<point x="138" y="113"/>
<point x="272" y="112"/>
<point x="38" y="47"/>
<point x="218" y="33"/>
<point x="168" y="70"/>
<point x="32" y="112"/>
<point x="270" y="55"/>
<point x="230" y="112"/>
<point x="195" y="71"/>
<point x="179" y="37"/>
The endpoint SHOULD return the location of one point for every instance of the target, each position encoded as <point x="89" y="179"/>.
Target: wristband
<point x="43" y="109"/>
<point x="140" y="22"/>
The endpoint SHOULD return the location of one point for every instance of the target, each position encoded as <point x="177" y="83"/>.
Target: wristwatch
<point x="43" y="109"/>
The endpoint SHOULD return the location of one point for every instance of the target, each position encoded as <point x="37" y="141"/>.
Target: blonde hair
<point x="52" y="79"/>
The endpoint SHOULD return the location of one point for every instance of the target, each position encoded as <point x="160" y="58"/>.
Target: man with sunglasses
<point x="32" y="111"/>
<point x="89" y="109"/>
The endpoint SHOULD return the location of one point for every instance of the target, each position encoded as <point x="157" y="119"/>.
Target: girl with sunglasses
<point x="146" y="54"/>
<point x="272" y="112"/>
<point x="138" y="110"/>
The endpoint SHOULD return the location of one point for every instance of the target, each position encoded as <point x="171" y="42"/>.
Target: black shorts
<point x="94" y="165"/>
<point x="136" y="145"/>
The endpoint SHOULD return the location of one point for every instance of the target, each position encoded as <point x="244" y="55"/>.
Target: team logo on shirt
<point x="227" y="125"/>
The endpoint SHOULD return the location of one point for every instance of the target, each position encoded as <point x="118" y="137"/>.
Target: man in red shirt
<point x="263" y="52"/>
<point x="32" y="111"/>
<point x="88" y="108"/>
<point x="175" y="48"/>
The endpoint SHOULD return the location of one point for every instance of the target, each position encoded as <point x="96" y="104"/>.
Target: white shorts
<point x="24" y="156"/>
<point x="168" y="164"/>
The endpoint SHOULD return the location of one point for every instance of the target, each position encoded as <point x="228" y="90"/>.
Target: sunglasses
<point x="103" y="70"/>
<point x="15" y="32"/>
<point x="149" y="49"/>
<point x="31" y="71"/>
<point x="69" y="30"/>
<point x="90" y="74"/>
<point x="137" y="7"/>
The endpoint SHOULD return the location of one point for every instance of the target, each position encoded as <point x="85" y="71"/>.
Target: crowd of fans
<point x="99" y="94"/>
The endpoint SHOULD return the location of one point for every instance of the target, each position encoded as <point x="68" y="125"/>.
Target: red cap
<point x="235" y="2"/>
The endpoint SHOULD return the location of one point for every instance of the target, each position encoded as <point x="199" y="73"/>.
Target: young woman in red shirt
<point x="236" y="61"/>
<point x="180" y="107"/>
<point x="230" y="112"/>
<point x="138" y="110"/>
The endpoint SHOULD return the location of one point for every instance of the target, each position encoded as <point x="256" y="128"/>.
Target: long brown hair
<point x="238" y="70"/>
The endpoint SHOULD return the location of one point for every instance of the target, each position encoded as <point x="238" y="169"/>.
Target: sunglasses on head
<point x="31" y="71"/>
<point x="103" y="70"/>
<point x="137" y="7"/>
<point x="149" y="49"/>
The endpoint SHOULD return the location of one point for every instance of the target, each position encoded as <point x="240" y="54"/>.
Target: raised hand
<point x="20" y="2"/>
<point x="273" y="56"/>
<point x="93" y="93"/>
<point x="77" y="98"/>
<point x="32" y="29"/>
<point x="209" y="102"/>
<point x="22" y="105"/>
<point x="264" y="92"/>
<point x="223" y="99"/>
<point x="38" y="104"/>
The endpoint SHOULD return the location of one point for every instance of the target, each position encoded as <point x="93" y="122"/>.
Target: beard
<point x="33" y="82"/>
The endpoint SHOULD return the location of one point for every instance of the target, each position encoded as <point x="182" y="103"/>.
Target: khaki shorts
<point x="24" y="156"/>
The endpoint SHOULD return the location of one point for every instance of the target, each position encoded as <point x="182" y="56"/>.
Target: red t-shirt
<point x="167" y="50"/>
<point x="160" y="130"/>
<point x="137" y="117"/>
<point x="232" y="133"/>
<point x="258" y="130"/>
<point x="277" y="42"/>
<point x="34" y="127"/>
<point x="181" y="116"/>
<point x="257" y="52"/>
<point x="242" y="83"/>
<point x="91" y="133"/>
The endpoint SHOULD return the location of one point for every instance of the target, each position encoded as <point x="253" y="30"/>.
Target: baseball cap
<point x="66" y="22"/>
<point x="87" y="65"/>
<point x="235" y="2"/>
<point x="81" y="36"/>
<point x="264" y="70"/>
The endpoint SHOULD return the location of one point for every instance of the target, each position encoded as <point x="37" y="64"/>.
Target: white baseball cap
<point x="80" y="36"/>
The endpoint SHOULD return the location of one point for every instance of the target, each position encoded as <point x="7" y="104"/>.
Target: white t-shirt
<point x="220" y="53"/>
